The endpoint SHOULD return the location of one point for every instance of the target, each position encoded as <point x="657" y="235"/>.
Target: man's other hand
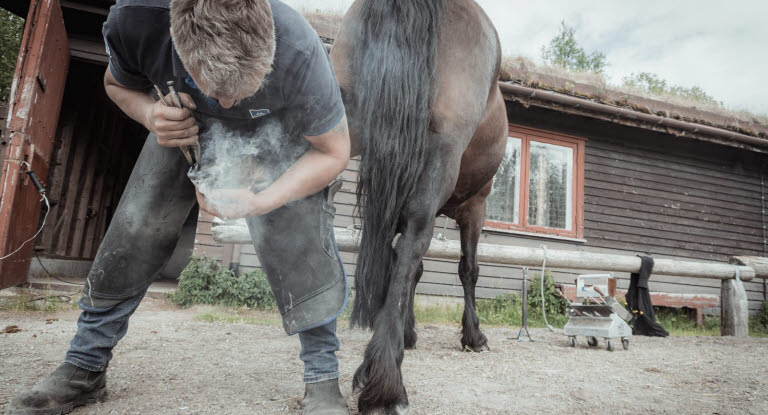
<point x="174" y="127"/>
<point x="234" y="203"/>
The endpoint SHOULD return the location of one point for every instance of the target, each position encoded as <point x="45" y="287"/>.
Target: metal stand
<point x="520" y="337"/>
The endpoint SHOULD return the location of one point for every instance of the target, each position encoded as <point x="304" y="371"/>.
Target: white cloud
<point x="718" y="46"/>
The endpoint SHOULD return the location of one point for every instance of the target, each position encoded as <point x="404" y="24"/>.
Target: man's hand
<point x="235" y="203"/>
<point x="174" y="127"/>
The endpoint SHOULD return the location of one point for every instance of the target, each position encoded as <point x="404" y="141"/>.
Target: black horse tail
<point x="395" y="75"/>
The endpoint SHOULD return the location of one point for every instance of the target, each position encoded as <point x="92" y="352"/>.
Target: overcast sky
<point x="721" y="46"/>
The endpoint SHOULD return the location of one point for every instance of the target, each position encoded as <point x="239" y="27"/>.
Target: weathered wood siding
<point x="695" y="205"/>
<point x="665" y="196"/>
<point x="682" y="205"/>
<point x="645" y="193"/>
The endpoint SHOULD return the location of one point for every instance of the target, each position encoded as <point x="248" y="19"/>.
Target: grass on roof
<point x="532" y="71"/>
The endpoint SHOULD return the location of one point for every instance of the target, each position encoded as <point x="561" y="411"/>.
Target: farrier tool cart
<point x="595" y="314"/>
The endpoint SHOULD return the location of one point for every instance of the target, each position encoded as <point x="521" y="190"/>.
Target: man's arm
<point x="327" y="158"/>
<point x="174" y="127"/>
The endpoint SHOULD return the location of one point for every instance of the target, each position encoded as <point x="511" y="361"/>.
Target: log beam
<point x="758" y="263"/>
<point x="348" y="240"/>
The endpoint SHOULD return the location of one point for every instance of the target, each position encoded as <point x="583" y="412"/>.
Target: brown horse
<point x="419" y="81"/>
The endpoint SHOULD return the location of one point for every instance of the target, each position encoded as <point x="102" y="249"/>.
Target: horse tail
<point x="394" y="66"/>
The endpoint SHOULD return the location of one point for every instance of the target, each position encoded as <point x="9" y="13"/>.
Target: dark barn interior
<point x="95" y="145"/>
<point x="95" y="149"/>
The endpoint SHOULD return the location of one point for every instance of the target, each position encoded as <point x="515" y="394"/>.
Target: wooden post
<point x="734" y="309"/>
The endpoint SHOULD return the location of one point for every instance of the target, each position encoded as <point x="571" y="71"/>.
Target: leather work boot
<point x="324" y="398"/>
<point x="68" y="387"/>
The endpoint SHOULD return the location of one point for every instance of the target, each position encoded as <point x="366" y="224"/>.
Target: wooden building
<point x="586" y="170"/>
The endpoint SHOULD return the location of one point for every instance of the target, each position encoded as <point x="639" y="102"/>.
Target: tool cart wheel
<point x="572" y="340"/>
<point x="592" y="341"/>
<point x="609" y="345"/>
<point x="625" y="343"/>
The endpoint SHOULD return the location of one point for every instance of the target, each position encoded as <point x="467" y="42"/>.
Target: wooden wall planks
<point x="95" y="149"/>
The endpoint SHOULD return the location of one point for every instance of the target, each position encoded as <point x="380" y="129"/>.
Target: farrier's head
<point x="227" y="46"/>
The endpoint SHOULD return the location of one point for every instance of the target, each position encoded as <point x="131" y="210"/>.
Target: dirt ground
<point x="170" y="363"/>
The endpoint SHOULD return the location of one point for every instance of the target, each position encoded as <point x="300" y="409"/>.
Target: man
<point x="257" y="70"/>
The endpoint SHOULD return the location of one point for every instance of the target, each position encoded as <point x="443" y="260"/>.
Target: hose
<point x="543" y="299"/>
<point x="40" y="190"/>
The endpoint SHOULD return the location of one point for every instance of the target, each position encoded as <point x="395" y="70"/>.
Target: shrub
<point x="759" y="323"/>
<point x="555" y="305"/>
<point x="205" y="281"/>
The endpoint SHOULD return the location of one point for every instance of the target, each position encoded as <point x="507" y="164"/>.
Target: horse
<point x="425" y="113"/>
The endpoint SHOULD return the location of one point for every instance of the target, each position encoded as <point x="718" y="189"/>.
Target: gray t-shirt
<point x="301" y="94"/>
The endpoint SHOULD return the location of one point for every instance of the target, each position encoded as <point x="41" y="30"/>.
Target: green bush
<point x="205" y="281"/>
<point x="555" y="305"/>
<point x="759" y="324"/>
<point x="11" y="28"/>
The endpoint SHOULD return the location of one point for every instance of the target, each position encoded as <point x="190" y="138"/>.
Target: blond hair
<point x="229" y="45"/>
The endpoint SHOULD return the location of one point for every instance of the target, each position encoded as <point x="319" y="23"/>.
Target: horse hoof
<point x="483" y="348"/>
<point x="391" y="410"/>
<point x="478" y="349"/>
<point x="399" y="410"/>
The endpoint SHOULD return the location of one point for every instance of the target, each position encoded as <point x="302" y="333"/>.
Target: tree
<point x="563" y="50"/>
<point x="651" y="83"/>
<point x="646" y="82"/>
<point x="11" y="28"/>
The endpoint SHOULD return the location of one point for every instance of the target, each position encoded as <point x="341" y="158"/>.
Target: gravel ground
<point x="169" y="363"/>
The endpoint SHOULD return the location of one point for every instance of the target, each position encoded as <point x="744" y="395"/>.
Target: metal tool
<point x="525" y="309"/>
<point x="193" y="155"/>
<point x="605" y="318"/>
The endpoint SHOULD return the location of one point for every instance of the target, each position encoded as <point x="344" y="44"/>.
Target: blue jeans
<point x="99" y="330"/>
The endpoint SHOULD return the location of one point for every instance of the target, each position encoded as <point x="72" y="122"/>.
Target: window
<point x="539" y="186"/>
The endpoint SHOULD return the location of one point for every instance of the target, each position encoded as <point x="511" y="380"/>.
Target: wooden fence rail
<point x="733" y="299"/>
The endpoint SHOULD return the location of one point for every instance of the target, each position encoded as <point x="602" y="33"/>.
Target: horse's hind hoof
<point x="478" y="349"/>
<point x="390" y="410"/>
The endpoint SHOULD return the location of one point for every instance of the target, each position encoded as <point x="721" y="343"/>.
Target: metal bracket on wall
<point x="41" y="82"/>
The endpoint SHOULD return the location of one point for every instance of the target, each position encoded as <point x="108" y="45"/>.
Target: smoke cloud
<point x="236" y="160"/>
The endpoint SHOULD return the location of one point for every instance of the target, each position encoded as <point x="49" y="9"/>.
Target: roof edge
<point x="585" y="107"/>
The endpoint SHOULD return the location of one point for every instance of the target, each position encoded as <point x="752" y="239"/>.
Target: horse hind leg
<point x="380" y="376"/>
<point x="409" y="335"/>
<point x="470" y="217"/>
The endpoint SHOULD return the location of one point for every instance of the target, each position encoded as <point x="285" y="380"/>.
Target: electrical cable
<point x="41" y="190"/>
<point x="51" y="275"/>
<point x="53" y="299"/>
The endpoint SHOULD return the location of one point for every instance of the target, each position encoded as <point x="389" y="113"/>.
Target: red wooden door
<point x="33" y="113"/>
